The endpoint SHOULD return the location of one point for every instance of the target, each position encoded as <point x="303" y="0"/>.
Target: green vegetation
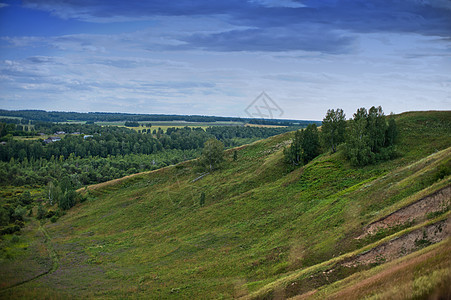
<point x="73" y="154"/>
<point x="24" y="116"/>
<point x="333" y="129"/>
<point x="105" y="153"/>
<point x="212" y="155"/>
<point x="369" y="139"/>
<point x="250" y="228"/>
<point x="304" y="147"/>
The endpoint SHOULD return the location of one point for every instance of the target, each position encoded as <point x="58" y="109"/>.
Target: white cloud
<point x="279" y="3"/>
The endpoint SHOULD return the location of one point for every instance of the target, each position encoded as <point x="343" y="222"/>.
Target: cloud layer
<point x="214" y="57"/>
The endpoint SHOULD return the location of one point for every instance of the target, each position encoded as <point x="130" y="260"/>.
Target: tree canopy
<point x="369" y="138"/>
<point x="212" y="154"/>
<point x="333" y="129"/>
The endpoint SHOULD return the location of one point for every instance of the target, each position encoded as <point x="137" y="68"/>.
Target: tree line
<point x="54" y="116"/>
<point x="112" y="140"/>
<point x="368" y="138"/>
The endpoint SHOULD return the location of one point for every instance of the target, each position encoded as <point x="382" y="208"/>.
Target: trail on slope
<point x="53" y="257"/>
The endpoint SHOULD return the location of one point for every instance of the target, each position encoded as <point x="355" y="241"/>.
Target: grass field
<point x="262" y="227"/>
<point x="164" y="125"/>
<point x="267" y="126"/>
<point x="180" y="124"/>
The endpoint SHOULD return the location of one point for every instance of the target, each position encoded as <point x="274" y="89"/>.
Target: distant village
<point x="58" y="134"/>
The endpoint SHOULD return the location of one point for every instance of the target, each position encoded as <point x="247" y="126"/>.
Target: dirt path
<point x="53" y="257"/>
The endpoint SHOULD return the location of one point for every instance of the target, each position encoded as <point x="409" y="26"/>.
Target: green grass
<point x="147" y="236"/>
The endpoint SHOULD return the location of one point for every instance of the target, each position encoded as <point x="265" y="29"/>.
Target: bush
<point x="9" y="229"/>
<point x="19" y="223"/>
<point x="212" y="154"/>
<point x="202" y="199"/>
<point x="41" y="213"/>
<point x="50" y="213"/>
<point x="26" y="198"/>
<point x="15" y="239"/>
<point x="19" y="213"/>
<point x="443" y="170"/>
<point x="4" y="217"/>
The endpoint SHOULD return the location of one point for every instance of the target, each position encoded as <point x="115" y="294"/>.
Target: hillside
<point x="326" y="230"/>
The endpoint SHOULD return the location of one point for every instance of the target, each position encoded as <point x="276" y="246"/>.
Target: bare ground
<point x="417" y="211"/>
<point x="404" y="244"/>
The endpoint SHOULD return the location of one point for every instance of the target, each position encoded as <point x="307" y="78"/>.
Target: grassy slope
<point x="147" y="235"/>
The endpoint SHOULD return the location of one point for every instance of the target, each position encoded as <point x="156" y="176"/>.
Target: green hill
<point x="264" y="232"/>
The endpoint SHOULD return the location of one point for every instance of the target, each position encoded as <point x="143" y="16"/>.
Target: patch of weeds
<point x="15" y="239"/>
<point x="383" y="232"/>
<point x="434" y="214"/>
<point x="423" y="242"/>
<point x="380" y="259"/>
<point x="443" y="170"/>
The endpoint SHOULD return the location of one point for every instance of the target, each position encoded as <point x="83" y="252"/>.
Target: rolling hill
<point x="325" y="230"/>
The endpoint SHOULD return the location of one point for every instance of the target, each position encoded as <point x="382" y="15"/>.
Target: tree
<point x="19" y="213"/>
<point x="41" y="212"/>
<point x="392" y="133"/>
<point x="68" y="199"/>
<point x="376" y="128"/>
<point x="235" y="155"/>
<point x="333" y="129"/>
<point x="369" y="139"/>
<point x="54" y="193"/>
<point x="310" y="143"/>
<point x="358" y="149"/>
<point x="26" y="198"/>
<point x="212" y="154"/>
<point x="293" y="154"/>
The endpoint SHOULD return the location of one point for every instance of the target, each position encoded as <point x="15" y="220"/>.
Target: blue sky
<point x="215" y="57"/>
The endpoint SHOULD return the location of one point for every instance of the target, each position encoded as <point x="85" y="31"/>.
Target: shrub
<point x="50" y="213"/>
<point x="202" y="199"/>
<point x="15" y="239"/>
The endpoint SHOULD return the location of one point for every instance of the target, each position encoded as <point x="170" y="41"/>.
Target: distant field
<point x="72" y="122"/>
<point x="164" y="125"/>
<point x="264" y="126"/>
<point x="31" y="138"/>
<point x="175" y="123"/>
<point x="8" y="117"/>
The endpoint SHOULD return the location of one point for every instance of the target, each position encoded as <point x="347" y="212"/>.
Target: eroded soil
<point x="417" y="211"/>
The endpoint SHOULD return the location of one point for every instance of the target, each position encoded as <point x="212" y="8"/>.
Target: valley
<point x="327" y="229"/>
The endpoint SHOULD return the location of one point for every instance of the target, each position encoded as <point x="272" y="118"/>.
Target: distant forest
<point x="36" y="151"/>
<point x="55" y="116"/>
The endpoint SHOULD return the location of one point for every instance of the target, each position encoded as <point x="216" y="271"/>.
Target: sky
<point x="216" y="57"/>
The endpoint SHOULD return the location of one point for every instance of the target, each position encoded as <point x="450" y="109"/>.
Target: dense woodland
<point x="92" y="153"/>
